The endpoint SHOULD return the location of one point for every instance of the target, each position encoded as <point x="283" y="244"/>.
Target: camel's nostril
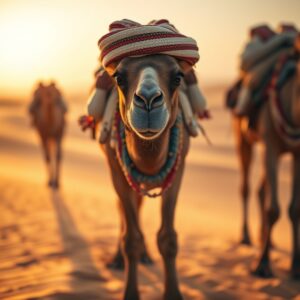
<point x="139" y="101"/>
<point x="157" y="101"/>
<point x="148" y="99"/>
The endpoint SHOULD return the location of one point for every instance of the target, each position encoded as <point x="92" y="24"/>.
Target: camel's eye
<point x="120" y="79"/>
<point x="177" y="79"/>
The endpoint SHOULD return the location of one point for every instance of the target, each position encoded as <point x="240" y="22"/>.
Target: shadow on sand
<point x="208" y="269"/>
<point x="85" y="279"/>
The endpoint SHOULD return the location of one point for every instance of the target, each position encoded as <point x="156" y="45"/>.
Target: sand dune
<point x="55" y="244"/>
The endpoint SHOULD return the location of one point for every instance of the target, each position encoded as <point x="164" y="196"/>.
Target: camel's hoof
<point x="146" y="259"/>
<point x="246" y="241"/>
<point x="174" y="295"/>
<point x="295" y="271"/>
<point x="55" y="185"/>
<point x="263" y="270"/>
<point x="117" y="263"/>
<point x="131" y="294"/>
<point x="295" y="274"/>
<point x="245" y="237"/>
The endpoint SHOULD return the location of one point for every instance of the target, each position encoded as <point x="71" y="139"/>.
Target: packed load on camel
<point x="137" y="41"/>
<point x="257" y="64"/>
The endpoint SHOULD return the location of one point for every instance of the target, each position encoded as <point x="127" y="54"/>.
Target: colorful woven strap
<point x="288" y="132"/>
<point x="127" y="38"/>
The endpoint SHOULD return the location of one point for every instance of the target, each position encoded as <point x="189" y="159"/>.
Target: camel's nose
<point x="148" y="96"/>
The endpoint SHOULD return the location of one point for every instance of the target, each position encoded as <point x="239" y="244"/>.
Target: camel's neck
<point x="148" y="156"/>
<point x="290" y="100"/>
<point x="47" y="107"/>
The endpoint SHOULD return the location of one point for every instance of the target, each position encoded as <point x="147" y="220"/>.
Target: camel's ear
<point x="297" y="43"/>
<point x="111" y="68"/>
<point x="185" y="67"/>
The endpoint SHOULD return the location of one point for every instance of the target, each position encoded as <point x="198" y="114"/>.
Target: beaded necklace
<point x="164" y="178"/>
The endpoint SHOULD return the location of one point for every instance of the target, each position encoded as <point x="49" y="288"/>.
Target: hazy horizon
<point x="58" y="39"/>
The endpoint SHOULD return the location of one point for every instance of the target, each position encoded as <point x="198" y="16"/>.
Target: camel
<point x="274" y="145"/>
<point x="148" y="89"/>
<point x="48" y="117"/>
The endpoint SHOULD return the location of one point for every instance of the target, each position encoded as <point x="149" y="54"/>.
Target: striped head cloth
<point x="127" y="38"/>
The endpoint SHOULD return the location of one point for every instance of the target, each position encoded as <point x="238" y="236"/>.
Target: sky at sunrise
<point x="57" y="39"/>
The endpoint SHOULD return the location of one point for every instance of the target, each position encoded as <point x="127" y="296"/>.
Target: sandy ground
<point x="55" y="244"/>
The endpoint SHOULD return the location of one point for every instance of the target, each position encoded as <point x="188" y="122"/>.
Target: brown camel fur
<point x="274" y="147"/>
<point x="148" y="87"/>
<point x="48" y="117"/>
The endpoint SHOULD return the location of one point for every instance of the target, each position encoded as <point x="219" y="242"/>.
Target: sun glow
<point x="57" y="39"/>
<point x="36" y="42"/>
<point x="26" y="40"/>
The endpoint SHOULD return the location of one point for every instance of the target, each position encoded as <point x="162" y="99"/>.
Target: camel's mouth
<point x="148" y="135"/>
<point x="148" y="124"/>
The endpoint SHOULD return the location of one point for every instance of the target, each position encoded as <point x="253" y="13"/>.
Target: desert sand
<point x="55" y="244"/>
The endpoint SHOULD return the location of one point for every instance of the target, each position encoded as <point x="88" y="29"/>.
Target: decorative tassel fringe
<point x="196" y="99"/>
<point x="96" y="104"/>
<point x="108" y="116"/>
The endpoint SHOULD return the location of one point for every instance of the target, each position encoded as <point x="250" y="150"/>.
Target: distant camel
<point x="48" y="117"/>
<point x="275" y="144"/>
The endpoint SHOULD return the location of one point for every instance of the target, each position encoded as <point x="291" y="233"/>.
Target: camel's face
<point x="45" y="96"/>
<point x="148" y="88"/>
<point x="48" y="95"/>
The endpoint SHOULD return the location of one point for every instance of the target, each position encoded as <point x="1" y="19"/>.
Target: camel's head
<point x="46" y="95"/>
<point x="148" y="92"/>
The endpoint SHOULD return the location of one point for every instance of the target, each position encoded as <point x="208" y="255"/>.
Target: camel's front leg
<point x="132" y="238"/>
<point x="294" y="212"/>
<point x="132" y="245"/>
<point x="145" y="257"/>
<point x="244" y="151"/>
<point x="58" y="157"/>
<point x="47" y="157"/>
<point x="117" y="262"/>
<point x="272" y="211"/>
<point x="167" y="239"/>
<point x="261" y="202"/>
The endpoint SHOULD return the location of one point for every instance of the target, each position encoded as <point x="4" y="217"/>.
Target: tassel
<point x="113" y="138"/>
<point x="188" y="115"/>
<point x="196" y="99"/>
<point x="97" y="101"/>
<point x="108" y="116"/>
<point x="96" y="104"/>
<point x="203" y="132"/>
